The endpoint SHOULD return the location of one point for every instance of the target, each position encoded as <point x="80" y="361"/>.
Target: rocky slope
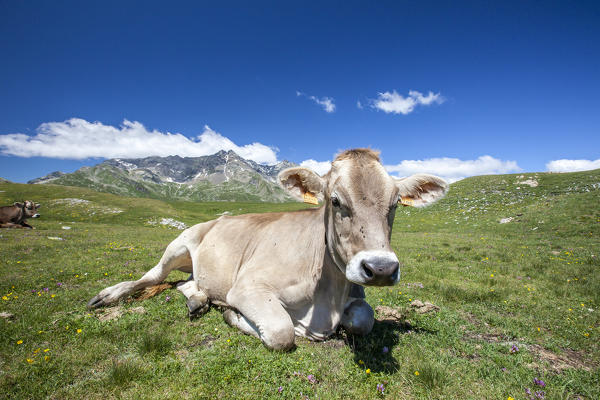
<point x="223" y="176"/>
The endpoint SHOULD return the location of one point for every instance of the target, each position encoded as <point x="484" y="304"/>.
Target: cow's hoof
<point x="96" y="302"/>
<point x="196" y="307"/>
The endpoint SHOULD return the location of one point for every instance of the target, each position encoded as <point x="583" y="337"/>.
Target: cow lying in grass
<point x="296" y="273"/>
<point x="14" y="216"/>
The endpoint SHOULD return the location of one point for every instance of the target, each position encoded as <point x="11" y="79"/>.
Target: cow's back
<point x="9" y="214"/>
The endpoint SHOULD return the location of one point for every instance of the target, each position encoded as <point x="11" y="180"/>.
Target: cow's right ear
<point x="302" y="183"/>
<point x="20" y="205"/>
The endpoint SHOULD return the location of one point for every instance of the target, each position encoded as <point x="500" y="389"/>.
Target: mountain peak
<point x="220" y="176"/>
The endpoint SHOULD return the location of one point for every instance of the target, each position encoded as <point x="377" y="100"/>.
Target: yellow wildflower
<point x="416" y="373"/>
<point x="19" y="341"/>
<point x="78" y="330"/>
<point x="368" y="371"/>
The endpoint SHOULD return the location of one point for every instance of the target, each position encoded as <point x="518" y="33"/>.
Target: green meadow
<point x="518" y="303"/>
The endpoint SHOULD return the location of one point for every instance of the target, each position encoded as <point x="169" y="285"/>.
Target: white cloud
<point x="398" y="104"/>
<point x="78" y="139"/>
<point x="320" y="167"/>
<point x="359" y="105"/>
<point x="454" y="169"/>
<point x="325" y="102"/>
<point x="572" y="165"/>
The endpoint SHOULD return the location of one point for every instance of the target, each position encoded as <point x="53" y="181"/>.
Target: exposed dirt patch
<point x="423" y="308"/>
<point x="207" y="341"/>
<point x="112" y="313"/>
<point x="386" y="313"/>
<point x="559" y="362"/>
<point x="6" y="315"/>
<point x="332" y="343"/>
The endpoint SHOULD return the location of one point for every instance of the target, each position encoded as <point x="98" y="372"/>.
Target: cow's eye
<point x="335" y="201"/>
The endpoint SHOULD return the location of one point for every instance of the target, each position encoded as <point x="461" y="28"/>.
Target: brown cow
<point x="296" y="273"/>
<point x="14" y="216"/>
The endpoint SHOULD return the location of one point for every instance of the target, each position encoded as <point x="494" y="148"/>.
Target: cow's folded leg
<point x="265" y="315"/>
<point x="358" y="317"/>
<point x="197" y="301"/>
<point x="236" y="320"/>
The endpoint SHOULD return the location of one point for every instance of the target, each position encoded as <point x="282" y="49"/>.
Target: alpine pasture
<point x="512" y="262"/>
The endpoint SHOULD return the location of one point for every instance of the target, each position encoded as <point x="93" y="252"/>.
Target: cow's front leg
<point x="358" y="317"/>
<point x="261" y="314"/>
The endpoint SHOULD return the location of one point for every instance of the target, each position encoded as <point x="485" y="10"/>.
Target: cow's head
<point x="360" y="200"/>
<point x="29" y="209"/>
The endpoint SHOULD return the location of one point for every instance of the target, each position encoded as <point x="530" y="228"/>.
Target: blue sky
<point x="450" y="87"/>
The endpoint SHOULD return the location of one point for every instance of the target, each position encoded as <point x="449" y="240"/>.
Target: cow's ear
<point x="421" y="190"/>
<point x="302" y="183"/>
<point x="37" y="205"/>
<point x="20" y="205"/>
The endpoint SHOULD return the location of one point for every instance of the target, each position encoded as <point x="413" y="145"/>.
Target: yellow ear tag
<point x="406" y="201"/>
<point x="310" y="198"/>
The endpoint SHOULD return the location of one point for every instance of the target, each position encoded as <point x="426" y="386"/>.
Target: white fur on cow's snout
<point x="35" y="216"/>
<point x="354" y="270"/>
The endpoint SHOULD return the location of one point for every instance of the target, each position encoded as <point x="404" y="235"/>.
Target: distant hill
<point x="2" y="180"/>
<point x="224" y="176"/>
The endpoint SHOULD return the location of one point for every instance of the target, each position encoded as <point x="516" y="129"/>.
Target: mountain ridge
<point x="223" y="176"/>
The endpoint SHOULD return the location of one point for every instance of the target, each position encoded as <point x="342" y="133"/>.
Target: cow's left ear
<point x="302" y="183"/>
<point x="37" y="205"/>
<point x="20" y="205"/>
<point x="421" y="190"/>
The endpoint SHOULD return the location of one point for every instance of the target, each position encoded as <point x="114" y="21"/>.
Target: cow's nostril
<point x="396" y="272"/>
<point x="367" y="269"/>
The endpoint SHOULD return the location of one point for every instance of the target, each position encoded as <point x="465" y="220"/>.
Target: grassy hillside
<point x="518" y="301"/>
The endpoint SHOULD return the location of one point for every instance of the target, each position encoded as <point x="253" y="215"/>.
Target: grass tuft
<point x="154" y="343"/>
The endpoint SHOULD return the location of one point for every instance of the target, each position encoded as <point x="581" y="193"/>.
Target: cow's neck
<point x="20" y="217"/>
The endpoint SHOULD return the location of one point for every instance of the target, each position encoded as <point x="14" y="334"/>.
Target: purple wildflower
<point x="280" y="389"/>
<point x="45" y="289"/>
<point x="514" y="349"/>
<point x="311" y="378"/>
<point x="385" y="349"/>
<point x="539" y="382"/>
<point x="527" y="391"/>
<point x="167" y="298"/>
<point x="380" y="388"/>
<point x="59" y="284"/>
<point x="504" y="369"/>
<point x="540" y="395"/>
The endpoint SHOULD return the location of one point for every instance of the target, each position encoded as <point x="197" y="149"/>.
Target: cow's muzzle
<point x="374" y="268"/>
<point x="35" y="216"/>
